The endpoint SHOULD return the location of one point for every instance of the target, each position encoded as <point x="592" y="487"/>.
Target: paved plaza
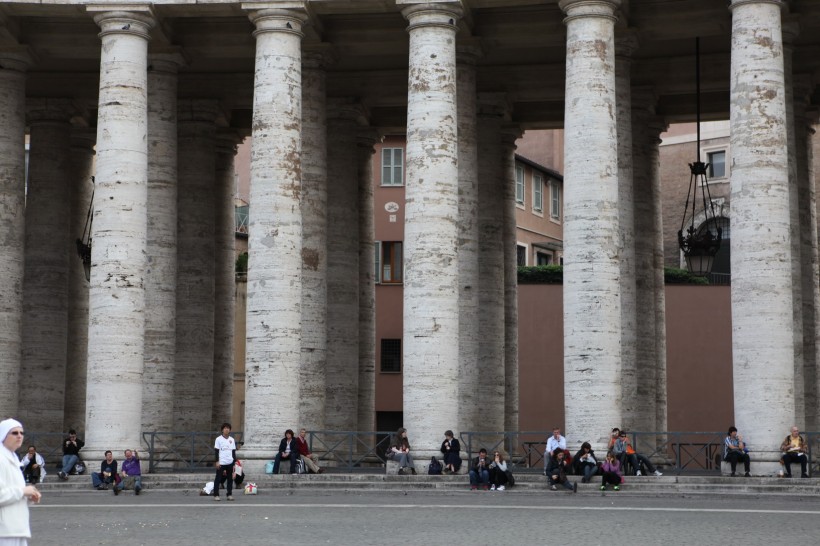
<point x="381" y="518"/>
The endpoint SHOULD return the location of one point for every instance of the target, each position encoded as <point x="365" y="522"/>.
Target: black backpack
<point x="435" y="467"/>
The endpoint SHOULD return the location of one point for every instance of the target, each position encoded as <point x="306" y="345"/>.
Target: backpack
<point x="300" y="466"/>
<point x="435" y="467"/>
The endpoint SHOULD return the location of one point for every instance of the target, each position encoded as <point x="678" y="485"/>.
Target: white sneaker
<point x="501" y="488"/>
<point x="658" y="473"/>
<point x="492" y="488"/>
<point x="639" y="473"/>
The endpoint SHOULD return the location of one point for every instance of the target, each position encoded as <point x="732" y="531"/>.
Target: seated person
<point x="33" y="466"/>
<point x="554" y="442"/>
<point x="794" y="450"/>
<point x="308" y="458"/>
<point x="623" y="450"/>
<point x="557" y="472"/>
<point x="584" y="463"/>
<point x="71" y="454"/>
<point x="451" y="448"/>
<point x="498" y="472"/>
<point x="480" y="471"/>
<point x="399" y="450"/>
<point x="131" y="473"/>
<point x="611" y="472"/>
<point x="287" y="452"/>
<point x="107" y="474"/>
<point x="734" y="450"/>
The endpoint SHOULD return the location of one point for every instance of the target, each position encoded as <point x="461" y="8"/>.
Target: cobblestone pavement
<point x="379" y="518"/>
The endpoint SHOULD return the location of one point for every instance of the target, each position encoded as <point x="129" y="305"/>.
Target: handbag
<point x="250" y="488"/>
<point x="269" y="467"/>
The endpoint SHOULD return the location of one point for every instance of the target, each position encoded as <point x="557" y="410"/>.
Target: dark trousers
<point x="734" y="456"/>
<point x="497" y="477"/>
<point x="32" y="475"/>
<point x="294" y="457"/>
<point x="789" y="458"/>
<point x="224" y="470"/>
<point x="610" y="477"/>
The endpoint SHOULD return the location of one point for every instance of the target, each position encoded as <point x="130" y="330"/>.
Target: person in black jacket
<point x="107" y="474"/>
<point x="584" y="463"/>
<point x="451" y="448"/>
<point x="288" y="452"/>
<point x="557" y="472"/>
<point x="480" y="471"/>
<point x="71" y="453"/>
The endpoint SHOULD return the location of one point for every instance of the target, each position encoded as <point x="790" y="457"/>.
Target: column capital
<point x="626" y="43"/>
<point x="318" y="55"/>
<point x="17" y="58"/>
<point x="469" y="51"/>
<point x="340" y="108"/>
<point x="421" y="13"/>
<point x="227" y="141"/>
<point x="135" y="20"/>
<point x="510" y="133"/>
<point x="644" y="100"/>
<point x="578" y="9"/>
<point x="83" y="139"/>
<point x="168" y="59"/>
<point x="284" y="17"/>
<point x="735" y="3"/>
<point x="803" y="86"/>
<point x="367" y="138"/>
<point x="197" y="110"/>
<point x="494" y="104"/>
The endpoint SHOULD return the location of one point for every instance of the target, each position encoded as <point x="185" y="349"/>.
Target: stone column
<point x="161" y="280"/>
<point x="654" y="129"/>
<point x="272" y="390"/>
<point x="224" y="277"/>
<point x="12" y="222"/>
<point x="118" y="259"/>
<point x="341" y="411"/>
<point x="508" y="137"/>
<point x="592" y="308"/>
<point x="491" y="297"/>
<point x="626" y="44"/>
<point x="314" y="242"/>
<point x="468" y="234"/>
<point x="194" y="359"/>
<point x="761" y="254"/>
<point x="431" y="227"/>
<point x="791" y="31"/>
<point x="807" y="202"/>
<point x="367" y="287"/>
<point x="82" y="188"/>
<point x="45" y="288"/>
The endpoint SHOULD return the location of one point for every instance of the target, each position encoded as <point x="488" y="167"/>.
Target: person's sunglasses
<point x="17" y="432"/>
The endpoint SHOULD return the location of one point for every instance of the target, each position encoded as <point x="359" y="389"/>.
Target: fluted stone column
<point x="272" y="390"/>
<point x="790" y="33"/>
<point x="161" y="280"/>
<point x="224" y="277"/>
<point x="807" y="203"/>
<point x="45" y="286"/>
<point x="314" y="242"/>
<point x="650" y="331"/>
<point x="341" y="399"/>
<point x="761" y="253"/>
<point x="592" y="309"/>
<point x="491" y="332"/>
<point x="508" y="137"/>
<point x="118" y="259"/>
<point x="431" y="226"/>
<point x="82" y="187"/>
<point x="12" y="222"/>
<point x="468" y="234"/>
<point x="367" y="287"/>
<point x="654" y="129"/>
<point x="625" y="45"/>
<point x="194" y="359"/>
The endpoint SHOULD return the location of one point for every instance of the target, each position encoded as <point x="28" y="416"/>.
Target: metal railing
<point x="350" y="450"/>
<point x="49" y="445"/>
<point x="524" y="449"/>
<point x="181" y="451"/>
<point x="682" y="452"/>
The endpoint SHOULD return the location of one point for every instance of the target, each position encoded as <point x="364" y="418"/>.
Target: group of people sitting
<point x="621" y="458"/>
<point x="793" y="449"/>
<point x="296" y="451"/>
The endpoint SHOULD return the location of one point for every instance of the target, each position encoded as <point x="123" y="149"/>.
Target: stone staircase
<point x="526" y="483"/>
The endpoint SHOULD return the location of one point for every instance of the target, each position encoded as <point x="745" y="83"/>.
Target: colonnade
<point x="159" y="312"/>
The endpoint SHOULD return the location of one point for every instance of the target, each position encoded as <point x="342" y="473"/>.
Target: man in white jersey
<point x="225" y="451"/>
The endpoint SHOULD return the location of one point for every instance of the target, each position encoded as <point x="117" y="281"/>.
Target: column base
<point x="254" y="458"/>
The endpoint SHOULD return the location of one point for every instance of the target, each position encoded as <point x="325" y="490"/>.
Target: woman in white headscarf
<point x="14" y="493"/>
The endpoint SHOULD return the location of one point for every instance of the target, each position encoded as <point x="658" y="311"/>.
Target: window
<point x="519" y="184"/>
<point x="555" y="200"/>
<point x="241" y="217"/>
<point x="542" y="258"/>
<point x="521" y="256"/>
<point x="537" y="193"/>
<point x="391" y="356"/>
<point x="392" y="166"/>
<point x="717" y="164"/>
<point x="389" y="262"/>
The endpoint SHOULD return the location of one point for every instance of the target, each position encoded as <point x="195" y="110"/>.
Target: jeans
<point x="227" y="469"/>
<point x="566" y="483"/>
<point x="734" y="456"/>
<point x="589" y="471"/>
<point x="404" y="459"/>
<point x="292" y="458"/>
<point x="635" y="460"/>
<point x="68" y="463"/>
<point x="476" y="477"/>
<point x="97" y="479"/>
<point x="130" y="481"/>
